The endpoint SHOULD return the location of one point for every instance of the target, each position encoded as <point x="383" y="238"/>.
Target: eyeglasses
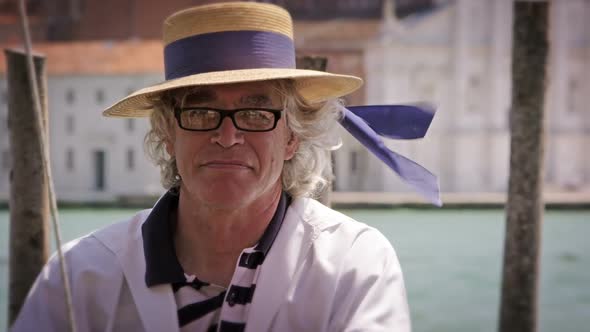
<point x="246" y="119"/>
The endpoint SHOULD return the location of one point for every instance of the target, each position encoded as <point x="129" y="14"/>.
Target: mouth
<point x="226" y="164"/>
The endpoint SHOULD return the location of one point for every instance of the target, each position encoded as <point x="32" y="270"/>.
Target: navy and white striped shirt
<point x="202" y="306"/>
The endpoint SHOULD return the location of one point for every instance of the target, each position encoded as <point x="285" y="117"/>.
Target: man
<point x="235" y="244"/>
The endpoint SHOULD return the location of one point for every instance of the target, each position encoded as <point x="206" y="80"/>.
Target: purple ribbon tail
<point x="409" y="171"/>
<point x="397" y="121"/>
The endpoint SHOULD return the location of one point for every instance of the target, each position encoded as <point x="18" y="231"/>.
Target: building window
<point x="474" y="94"/>
<point x="70" y="124"/>
<point x="130" y="125"/>
<point x="70" y="159"/>
<point x="474" y="82"/>
<point x="6" y="160"/>
<point x="100" y="96"/>
<point x="130" y="159"/>
<point x="3" y="97"/>
<point x="70" y="96"/>
<point x="354" y="161"/>
<point x="99" y="170"/>
<point x="574" y="98"/>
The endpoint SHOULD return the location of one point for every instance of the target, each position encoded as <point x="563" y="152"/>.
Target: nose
<point x="227" y="135"/>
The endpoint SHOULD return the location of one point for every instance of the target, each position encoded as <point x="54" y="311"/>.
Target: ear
<point x="169" y="143"/>
<point x="292" y="146"/>
<point x="169" y="148"/>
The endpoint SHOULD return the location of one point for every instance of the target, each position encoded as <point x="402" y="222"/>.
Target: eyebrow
<point x="256" y="100"/>
<point x="198" y="96"/>
<point x="204" y="95"/>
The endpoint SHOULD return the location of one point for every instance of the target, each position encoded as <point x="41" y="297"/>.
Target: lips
<point x="226" y="164"/>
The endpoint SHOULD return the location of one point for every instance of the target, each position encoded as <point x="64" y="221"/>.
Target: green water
<point x="451" y="261"/>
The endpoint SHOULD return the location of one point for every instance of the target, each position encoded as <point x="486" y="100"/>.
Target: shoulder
<point x="96" y="277"/>
<point x="340" y="243"/>
<point x="120" y="235"/>
<point x="351" y="271"/>
<point x="93" y="261"/>
<point x="95" y="252"/>
<point x="333" y="226"/>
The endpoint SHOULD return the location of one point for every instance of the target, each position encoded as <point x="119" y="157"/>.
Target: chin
<point x="227" y="201"/>
<point x="224" y="193"/>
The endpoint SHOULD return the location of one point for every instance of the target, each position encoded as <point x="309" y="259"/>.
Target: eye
<point x="198" y="113"/>
<point x="256" y="115"/>
<point x="199" y="118"/>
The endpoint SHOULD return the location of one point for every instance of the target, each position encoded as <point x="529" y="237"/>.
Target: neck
<point x="208" y="241"/>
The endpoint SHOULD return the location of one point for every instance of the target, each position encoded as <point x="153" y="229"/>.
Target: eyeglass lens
<point x="245" y="119"/>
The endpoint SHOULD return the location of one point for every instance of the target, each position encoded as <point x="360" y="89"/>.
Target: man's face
<point x="227" y="167"/>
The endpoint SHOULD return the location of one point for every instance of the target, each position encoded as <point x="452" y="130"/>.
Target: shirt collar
<point x="162" y="265"/>
<point x="157" y="231"/>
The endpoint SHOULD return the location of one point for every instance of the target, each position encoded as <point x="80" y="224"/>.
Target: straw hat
<point x="232" y="42"/>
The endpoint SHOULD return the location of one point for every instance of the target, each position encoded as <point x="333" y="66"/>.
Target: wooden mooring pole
<point x="29" y="203"/>
<point x="524" y="209"/>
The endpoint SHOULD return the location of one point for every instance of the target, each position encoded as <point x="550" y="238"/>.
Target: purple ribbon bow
<point x="366" y="123"/>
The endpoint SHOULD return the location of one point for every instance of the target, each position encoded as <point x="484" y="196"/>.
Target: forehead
<point x="253" y="94"/>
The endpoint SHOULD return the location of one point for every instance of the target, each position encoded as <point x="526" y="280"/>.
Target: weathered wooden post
<point x="29" y="204"/>
<point x="319" y="63"/>
<point x="524" y="210"/>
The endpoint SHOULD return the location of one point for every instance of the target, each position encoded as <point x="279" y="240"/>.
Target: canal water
<point x="451" y="261"/>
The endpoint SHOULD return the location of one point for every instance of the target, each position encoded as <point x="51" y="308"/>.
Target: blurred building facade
<point x="455" y="54"/>
<point x="93" y="158"/>
<point x="459" y="57"/>
<point x="427" y="60"/>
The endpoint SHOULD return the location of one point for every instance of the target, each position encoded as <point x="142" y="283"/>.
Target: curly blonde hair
<point x="315" y="125"/>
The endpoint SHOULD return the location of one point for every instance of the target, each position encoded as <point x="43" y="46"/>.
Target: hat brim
<point x="314" y="86"/>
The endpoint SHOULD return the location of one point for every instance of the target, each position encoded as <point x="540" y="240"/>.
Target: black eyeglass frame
<point x="228" y="113"/>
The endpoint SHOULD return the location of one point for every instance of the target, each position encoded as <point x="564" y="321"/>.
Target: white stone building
<point x="457" y="57"/>
<point x="93" y="158"/>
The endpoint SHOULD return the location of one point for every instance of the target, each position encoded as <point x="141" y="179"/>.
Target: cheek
<point x="185" y="148"/>
<point x="270" y="151"/>
<point x="281" y="150"/>
<point x="169" y="144"/>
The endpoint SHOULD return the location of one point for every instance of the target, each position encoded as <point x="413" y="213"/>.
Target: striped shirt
<point x="202" y="306"/>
